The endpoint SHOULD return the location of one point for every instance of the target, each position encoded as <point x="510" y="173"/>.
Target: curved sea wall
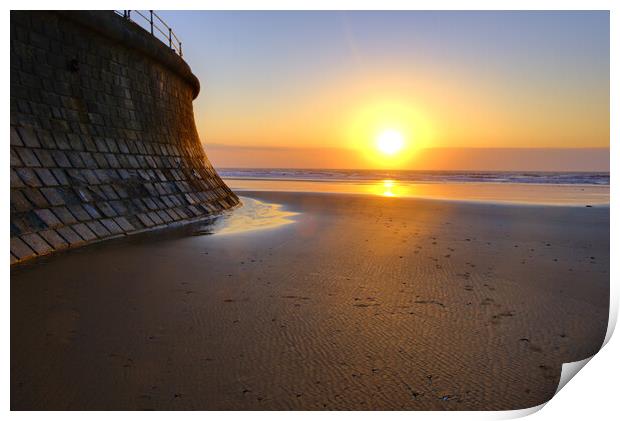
<point x="103" y="139"/>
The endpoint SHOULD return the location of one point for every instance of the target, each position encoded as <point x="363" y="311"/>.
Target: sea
<point x="413" y="176"/>
<point x="501" y="187"/>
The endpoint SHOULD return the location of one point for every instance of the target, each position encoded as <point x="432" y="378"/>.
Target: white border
<point x="591" y="395"/>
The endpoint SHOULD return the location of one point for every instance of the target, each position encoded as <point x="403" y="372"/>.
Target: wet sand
<point x="364" y="302"/>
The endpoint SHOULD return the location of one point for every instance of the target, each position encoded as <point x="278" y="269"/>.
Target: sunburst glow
<point x="389" y="133"/>
<point x="390" y="142"/>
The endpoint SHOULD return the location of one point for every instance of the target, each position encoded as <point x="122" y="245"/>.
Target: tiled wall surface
<point x="103" y="141"/>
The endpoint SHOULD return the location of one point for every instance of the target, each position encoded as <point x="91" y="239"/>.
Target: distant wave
<point x="525" y="177"/>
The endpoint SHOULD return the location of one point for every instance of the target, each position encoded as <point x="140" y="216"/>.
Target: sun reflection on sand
<point x="253" y="215"/>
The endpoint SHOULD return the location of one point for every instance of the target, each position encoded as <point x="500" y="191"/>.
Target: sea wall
<point x="103" y="140"/>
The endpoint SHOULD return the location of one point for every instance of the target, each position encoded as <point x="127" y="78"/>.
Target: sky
<point x="318" y="89"/>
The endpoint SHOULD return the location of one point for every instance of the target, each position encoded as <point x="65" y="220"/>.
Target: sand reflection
<point x="253" y="215"/>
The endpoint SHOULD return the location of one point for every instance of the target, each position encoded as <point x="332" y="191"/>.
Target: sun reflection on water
<point x="387" y="188"/>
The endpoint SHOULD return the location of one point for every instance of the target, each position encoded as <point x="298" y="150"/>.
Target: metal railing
<point x="150" y="21"/>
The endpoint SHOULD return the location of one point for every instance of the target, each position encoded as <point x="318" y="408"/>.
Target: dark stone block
<point x="16" y="227"/>
<point x="101" y="145"/>
<point x="20" y="249"/>
<point x="181" y="212"/>
<point x="46" y="139"/>
<point x="61" y="159"/>
<point x="54" y="239"/>
<point x="31" y="222"/>
<point x="64" y="215"/>
<point x="61" y="176"/>
<point x="79" y="212"/>
<point x="35" y="197"/>
<point x="91" y="211"/>
<point x="19" y="202"/>
<point x="28" y="137"/>
<point x="173" y="215"/>
<point x="76" y="177"/>
<point x="150" y="203"/>
<point x="168" y="203"/>
<point x="88" y="160"/>
<point x="46" y="176"/>
<point x="112" y="226"/>
<point x="48" y="217"/>
<point x="16" y="181"/>
<point x="109" y="192"/>
<point x="112" y="146"/>
<point x="195" y="211"/>
<point x="38" y="244"/>
<point x="106" y="209"/>
<point x="146" y="221"/>
<point x="27" y="156"/>
<point x="89" y="144"/>
<point x="84" y="232"/>
<point x="90" y="176"/>
<point x="61" y="139"/>
<point x="96" y="193"/>
<point x="15" y="139"/>
<point x="69" y="196"/>
<point x="114" y="163"/>
<point x="155" y="218"/>
<point x="74" y="158"/>
<point x="70" y="236"/>
<point x="124" y="224"/>
<point x="101" y="160"/>
<point x="99" y="230"/>
<point x="45" y="158"/>
<point x="53" y="196"/>
<point x="119" y="207"/>
<point x="15" y="159"/>
<point x="164" y="216"/>
<point x="75" y="141"/>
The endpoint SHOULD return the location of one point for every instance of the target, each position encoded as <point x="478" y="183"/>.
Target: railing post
<point x="151" y="19"/>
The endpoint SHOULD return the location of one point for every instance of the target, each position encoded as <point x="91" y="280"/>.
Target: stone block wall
<point x="102" y="138"/>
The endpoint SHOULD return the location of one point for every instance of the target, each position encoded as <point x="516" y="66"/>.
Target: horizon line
<point x="396" y="169"/>
<point x="221" y="145"/>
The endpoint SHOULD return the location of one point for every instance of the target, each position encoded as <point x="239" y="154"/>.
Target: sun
<point x="389" y="134"/>
<point x="390" y="142"/>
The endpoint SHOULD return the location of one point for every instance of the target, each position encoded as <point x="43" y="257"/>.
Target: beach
<point x="360" y="302"/>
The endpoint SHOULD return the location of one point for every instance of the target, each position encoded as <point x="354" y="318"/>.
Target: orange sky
<point x="432" y="112"/>
<point x="333" y="81"/>
<point x="476" y="159"/>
